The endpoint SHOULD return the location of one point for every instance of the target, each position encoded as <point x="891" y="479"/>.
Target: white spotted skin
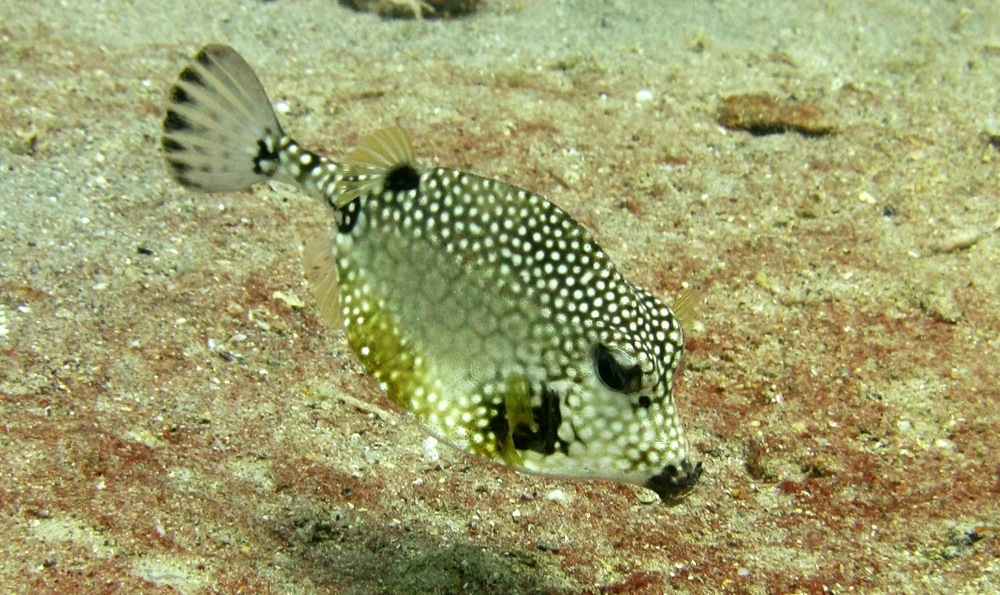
<point x="478" y="280"/>
<point x="482" y="308"/>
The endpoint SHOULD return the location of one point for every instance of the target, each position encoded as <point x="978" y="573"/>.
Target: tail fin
<point x="220" y="133"/>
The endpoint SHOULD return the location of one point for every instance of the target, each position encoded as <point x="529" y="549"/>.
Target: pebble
<point x="431" y="453"/>
<point x="647" y="496"/>
<point x="940" y="304"/>
<point x="549" y="545"/>
<point x="559" y="496"/>
<point x="962" y="240"/>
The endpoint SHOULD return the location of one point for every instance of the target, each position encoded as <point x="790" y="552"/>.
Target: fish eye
<point x="613" y="373"/>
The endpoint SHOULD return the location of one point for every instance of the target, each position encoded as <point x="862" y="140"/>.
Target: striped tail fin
<point x="220" y="132"/>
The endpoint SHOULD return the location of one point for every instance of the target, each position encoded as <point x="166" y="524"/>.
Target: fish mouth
<point x="675" y="482"/>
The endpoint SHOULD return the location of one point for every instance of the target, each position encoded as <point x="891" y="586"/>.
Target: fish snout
<point x="675" y="480"/>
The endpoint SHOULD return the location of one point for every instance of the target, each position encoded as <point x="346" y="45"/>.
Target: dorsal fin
<point x="379" y="153"/>
<point x="382" y="149"/>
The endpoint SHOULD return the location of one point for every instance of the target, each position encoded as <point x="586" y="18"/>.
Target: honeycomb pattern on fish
<point x="482" y="308"/>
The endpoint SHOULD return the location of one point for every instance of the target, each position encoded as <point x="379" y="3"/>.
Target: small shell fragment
<point x="867" y="198"/>
<point x="414" y="9"/>
<point x="962" y="240"/>
<point x="290" y="299"/>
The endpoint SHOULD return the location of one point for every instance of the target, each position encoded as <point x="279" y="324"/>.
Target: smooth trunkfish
<point x="483" y="309"/>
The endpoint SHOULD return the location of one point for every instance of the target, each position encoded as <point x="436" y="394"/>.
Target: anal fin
<point x="517" y="408"/>
<point x="321" y="273"/>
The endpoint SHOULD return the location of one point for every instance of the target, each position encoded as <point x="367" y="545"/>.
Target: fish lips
<point x="675" y="481"/>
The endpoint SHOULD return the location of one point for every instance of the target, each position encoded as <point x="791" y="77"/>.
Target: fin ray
<point x="382" y="149"/>
<point x="367" y="165"/>
<point x="321" y="272"/>
<point x="685" y="307"/>
<point x="219" y="123"/>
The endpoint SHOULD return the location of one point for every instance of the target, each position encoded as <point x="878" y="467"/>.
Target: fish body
<point x="482" y="308"/>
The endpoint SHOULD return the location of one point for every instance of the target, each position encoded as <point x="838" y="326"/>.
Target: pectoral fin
<point x="517" y="407"/>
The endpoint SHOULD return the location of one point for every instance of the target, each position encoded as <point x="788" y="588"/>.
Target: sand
<point x="176" y="418"/>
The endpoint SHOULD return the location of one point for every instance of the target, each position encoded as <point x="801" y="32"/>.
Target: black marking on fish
<point x="547" y="417"/>
<point x="179" y="95"/>
<point x="202" y="57"/>
<point x="172" y="146"/>
<point x="674" y="482"/>
<point x="174" y="122"/>
<point x="189" y="75"/>
<point x="401" y="178"/>
<point x="349" y="216"/>
<point x="306" y="164"/>
<point x="179" y="168"/>
<point x="267" y="155"/>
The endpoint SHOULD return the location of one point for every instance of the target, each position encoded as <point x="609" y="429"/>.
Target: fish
<point x="481" y="308"/>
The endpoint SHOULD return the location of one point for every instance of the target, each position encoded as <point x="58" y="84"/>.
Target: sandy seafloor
<point x="169" y="423"/>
